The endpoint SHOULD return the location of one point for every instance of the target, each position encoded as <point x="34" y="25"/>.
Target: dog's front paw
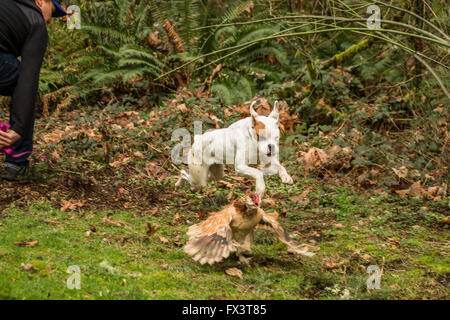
<point x="287" y="179"/>
<point x="179" y="183"/>
<point x="184" y="177"/>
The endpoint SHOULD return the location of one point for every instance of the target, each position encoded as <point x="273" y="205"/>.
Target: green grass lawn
<point x="119" y="260"/>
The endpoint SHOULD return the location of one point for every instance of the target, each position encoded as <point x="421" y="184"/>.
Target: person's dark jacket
<point x="23" y="33"/>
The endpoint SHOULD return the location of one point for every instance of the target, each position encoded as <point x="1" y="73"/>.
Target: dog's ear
<point x="274" y="114"/>
<point x="253" y="113"/>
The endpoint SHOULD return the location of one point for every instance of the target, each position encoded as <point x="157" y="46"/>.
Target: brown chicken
<point x="232" y="230"/>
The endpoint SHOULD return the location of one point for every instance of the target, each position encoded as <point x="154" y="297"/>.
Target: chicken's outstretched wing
<point x="212" y="240"/>
<point x="270" y="221"/>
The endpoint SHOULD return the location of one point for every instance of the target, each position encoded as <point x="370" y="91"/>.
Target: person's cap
<point x="59" y="12"/>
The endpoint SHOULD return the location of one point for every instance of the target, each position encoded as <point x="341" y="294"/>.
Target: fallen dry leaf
<point x="71" y="204"/>
<point x="249" y="8"/>
<point x="416" y="189"/>
<point x="177" y="219"/>
<point x="182" y="107"/>
<point x="151" y="230"/>
<point x="234" y="272"/>
<point x="334" y="158"/>
<point x="301" y="198"/>
<point x="55" y="155"/>
<point x="333" y="265"/>
<point x="227" y="184"/>
<point x="393" y="239"/>
<point x="313" y="157"/>
<point x="157" y="171"/>
<point x="402" y="193"/>
<point x="138" y="154"/>
<point x="237" y="178"/>
<point x="437" y="192"/>
<point x="269" y="202"/>
<point x="366" y="257"/>
<point x="163" y="240"/>
<point x="54" y="137"/>
<point x="401" y="172"/>
<point x="287" y="121"/>
<point x="153" y="39"/>
<point x="26" y="244"/>
<point x="120" y="160"/>
<point x="92" y="229"/>
<point x="28" y="267"/>
<point x="106" y="220"/>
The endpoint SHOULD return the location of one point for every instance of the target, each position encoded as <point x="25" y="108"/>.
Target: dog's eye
<point x="261" y="137"/>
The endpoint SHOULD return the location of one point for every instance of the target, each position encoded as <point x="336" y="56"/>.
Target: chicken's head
<point x="251" y="203"/>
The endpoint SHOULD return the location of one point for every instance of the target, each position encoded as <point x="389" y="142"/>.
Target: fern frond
<point x="108" y="33"/>
<point x="139" y="53"/>
<point x="271" y="73"/>
<point x="146" y="67"/>
<point x="235" y="11"/>
<point x="105" y="77"/>
<point x="122" y="6"/>
<point x="244" y="88"/>
<point x="133" y="73"/>
<point x="232" y="13"/>
<point x="111" y="51"/>
<point x="223" y="91"/>
<point x="225" y="37"/>
<point x="280" y="54"/>
<point x="190" y="10"/>
<point x="258" y="34"/>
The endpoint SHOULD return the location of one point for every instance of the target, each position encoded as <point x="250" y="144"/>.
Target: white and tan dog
<point x="249" y="141"/>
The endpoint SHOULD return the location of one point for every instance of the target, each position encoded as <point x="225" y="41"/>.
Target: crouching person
<point x="23" y="33"/>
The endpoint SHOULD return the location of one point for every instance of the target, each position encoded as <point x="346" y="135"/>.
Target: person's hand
<point x="8" y="138"/>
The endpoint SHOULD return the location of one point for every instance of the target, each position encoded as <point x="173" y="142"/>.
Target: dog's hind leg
<point x="184" y="177"/>
<point x="216" y="172"/>
<point x="197" y="174"/>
